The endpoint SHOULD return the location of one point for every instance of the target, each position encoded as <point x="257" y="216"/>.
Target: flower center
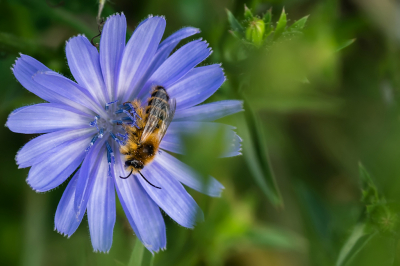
<point x="112" y="125"/>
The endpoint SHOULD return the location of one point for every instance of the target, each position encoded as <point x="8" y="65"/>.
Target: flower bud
<point x="255" y="32"/>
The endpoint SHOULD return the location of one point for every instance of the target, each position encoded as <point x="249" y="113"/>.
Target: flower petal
<point x="84" y="63"/>
<point x="209" y="111"/>
<point x="59" y="165"/>
<point x="66" y="221"/>
<point x="173" y="139"/>
<point x="169" y="44"/>
<point x="177" y="66"/>
<point x="101" y="209"/>
<point x="24" y="68"/>
<point x="70" y="92"/>
<point x="140" y="209"/>
<point x="163" y="51"/>
<point x="138" y="54"/>
<point x="112" y="44"/>
<point x="46" y="117"/>
<point x="172" y="197"/>
<point x="33" y="152"/>
<point x="197" y="86"/>
<point x="88" y="173"/>
<point x="186" y="175"/>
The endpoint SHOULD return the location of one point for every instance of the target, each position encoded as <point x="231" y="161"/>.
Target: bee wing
<point x="168" y="120"/>
<point x="159" y="110"/>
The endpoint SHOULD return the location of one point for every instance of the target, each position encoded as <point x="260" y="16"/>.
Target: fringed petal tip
<point x="156" y="16"/>
<point x="76" y="36"/>
<point x="101" y="251"/>
<point x="116" y="15"/>
<point x="153" y="251"/>
<point x="62" y="233"/>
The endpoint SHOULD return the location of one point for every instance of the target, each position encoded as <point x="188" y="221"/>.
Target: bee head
<point x="135" y="163"/>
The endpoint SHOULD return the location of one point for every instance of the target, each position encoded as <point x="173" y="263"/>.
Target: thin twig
<point x="100" y="22"/>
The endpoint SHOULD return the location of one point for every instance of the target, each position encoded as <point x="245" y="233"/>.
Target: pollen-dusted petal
<point x="209" y="111"/>
<point x="66" y="221"/>
<point x="35" y="149"/>
<point x="46" y="117"/>
<point x="84" y="63"/>
<point x="142" y="212"/>
<point x="67" y="89"/>
<point x="163" y="51"/>
<point x="112" y="44"/>
<point x="101" y="209"/>
<point x="177" y="65"/>
<point x="172" y="197"/>
<point x="138" y="54"/>
<point x="173" y="139"/>
<point x="187" y="176"/>
<point x="197" y="86"/>
<point x="59" y="165"/>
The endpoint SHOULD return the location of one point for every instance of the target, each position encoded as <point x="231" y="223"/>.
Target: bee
<point x="144" y="140"/>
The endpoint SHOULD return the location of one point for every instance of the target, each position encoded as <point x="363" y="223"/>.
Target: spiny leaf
<point x="268" y="17"/>
<point x="235" y="25"/>
<point x="267" y="20"/>
<point x="299" y="25"/>
<point x="281" y="25"/>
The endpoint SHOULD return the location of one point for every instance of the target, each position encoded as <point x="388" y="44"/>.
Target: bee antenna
<point x="127" y="176"/>
<point x="148" y="180"/>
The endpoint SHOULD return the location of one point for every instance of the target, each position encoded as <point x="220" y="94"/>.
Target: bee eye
<point x="127" y="163"/>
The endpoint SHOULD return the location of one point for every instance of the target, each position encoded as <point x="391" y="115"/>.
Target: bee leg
<point x="125" y="177"/>
<point x="148" y="180"/>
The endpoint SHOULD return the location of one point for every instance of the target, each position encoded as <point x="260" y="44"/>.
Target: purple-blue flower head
<point x="82" y="127"/>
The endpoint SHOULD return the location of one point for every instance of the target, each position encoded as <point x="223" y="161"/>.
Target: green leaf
<point x="345" y="44"/>
<point x="247" y="13"/>
<point x="268" y="17"/>
<point x="276" y="238"/>
<point x="255" y="154"/>
<point x="357" y="240"/>
<point x="299" y="25"/>
<point x="235" y="25"/>
<point x="280" y="26"/>
<point x="140" y="255"/>
<point x="15" y="44"/>
<point x="267" y="20"/>
<point x="369" y="191"/>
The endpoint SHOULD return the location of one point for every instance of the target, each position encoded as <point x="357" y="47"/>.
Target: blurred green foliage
<point x="320" y="80"/>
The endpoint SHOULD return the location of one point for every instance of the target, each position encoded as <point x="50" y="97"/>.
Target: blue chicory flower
<point x="79" y="122"/>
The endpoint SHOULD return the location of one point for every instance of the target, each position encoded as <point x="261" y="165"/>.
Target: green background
<point x="317" y="131"/>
